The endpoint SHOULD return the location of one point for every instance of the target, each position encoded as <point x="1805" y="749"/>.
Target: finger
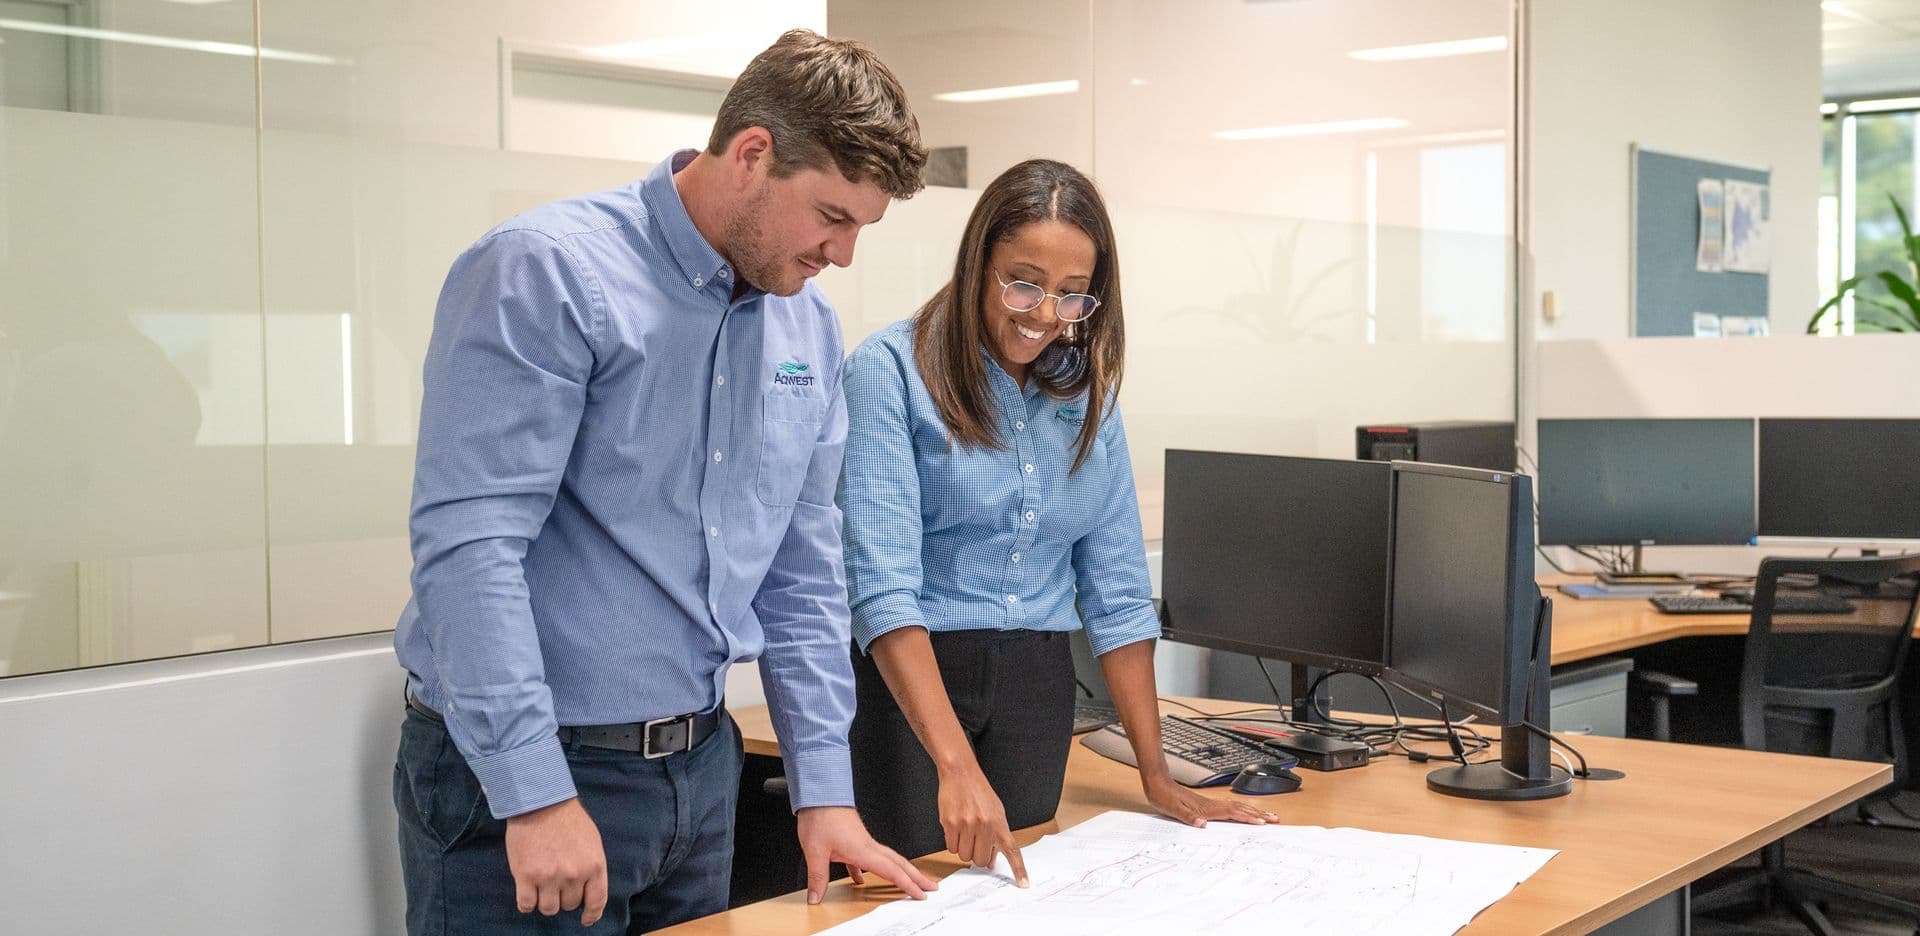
<point x="1014" y="860"/>
<point x="858" y="876"/>
<point x="524" y="895"/>
<point x="571" y="894"/>
<point x="906" y="877"/>
<point x="595" y="899"/>
<point x="549" y="899"/>
<point x="965" y="851"/>
<point x="816" y="876"/>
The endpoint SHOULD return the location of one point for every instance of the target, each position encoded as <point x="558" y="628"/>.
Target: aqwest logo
<point x="793" y="374"/>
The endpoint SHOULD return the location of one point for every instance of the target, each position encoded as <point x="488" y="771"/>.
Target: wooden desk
<point x="1584" y="628"/>
<point x="1682" y="811"/>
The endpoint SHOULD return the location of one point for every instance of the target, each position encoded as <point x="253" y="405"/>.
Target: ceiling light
<point x="1426" y="50"/>
<point x="1037" y="89"/>
<point x="1884" y="104"/>
<point x="169" y="42"/>
<point x="1830" y="108"/>
<point x="1312" y="129"/>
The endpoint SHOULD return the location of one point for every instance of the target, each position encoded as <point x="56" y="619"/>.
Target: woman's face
<point x="1054" y="255"/>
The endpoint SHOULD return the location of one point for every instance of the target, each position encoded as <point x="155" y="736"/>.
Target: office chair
<point x="1821" y="684"/>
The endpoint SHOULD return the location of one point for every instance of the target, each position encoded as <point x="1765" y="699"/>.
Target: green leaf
<point x="1903" y="292"/>
<point x="1882" y="315"/>
<point x="1906" y="231"/>
<point x="1846" y="286"/>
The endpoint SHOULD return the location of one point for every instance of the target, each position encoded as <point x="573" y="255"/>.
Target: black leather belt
<point x="657" y="738"/>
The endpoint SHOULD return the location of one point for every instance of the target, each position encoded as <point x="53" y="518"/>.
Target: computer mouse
<point x="1263" y="779"/>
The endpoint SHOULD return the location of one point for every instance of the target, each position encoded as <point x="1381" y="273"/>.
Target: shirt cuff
<point x="1112" y="633"/>
<point x="525" y="778"/>
<point x="820" y="777"/>
<point x="885" y="612"/>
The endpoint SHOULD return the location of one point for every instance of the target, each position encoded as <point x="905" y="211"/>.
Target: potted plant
<point x="1899" y="310"/>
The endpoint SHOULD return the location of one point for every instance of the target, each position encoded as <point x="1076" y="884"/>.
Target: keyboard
<point x="1698" y="604"/>
<point x="1089" y="715"/>
<point x="1196" y="755"/>
<point x="1725" y="604"/>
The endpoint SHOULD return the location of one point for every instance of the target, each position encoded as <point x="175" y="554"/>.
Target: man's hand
<point x="835" y="833"/>
<point x="976" y="823"/>
<point x="558" y="862"/>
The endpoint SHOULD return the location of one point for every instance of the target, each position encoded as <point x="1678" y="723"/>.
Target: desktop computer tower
<point x="1467" y="444"/>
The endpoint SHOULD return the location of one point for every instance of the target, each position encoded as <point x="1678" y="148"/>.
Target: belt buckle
<point x="646" y="736"/>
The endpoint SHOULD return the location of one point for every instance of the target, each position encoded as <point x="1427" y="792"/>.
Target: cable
<point x="1083" y="687"/>
<point x="1542" y="732"/>
<point x="1277" y="700"/>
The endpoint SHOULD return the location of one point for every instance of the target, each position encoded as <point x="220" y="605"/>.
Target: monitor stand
<point x="1525" y="770"/>
<point x="1303" y="710"/>
<point x="1639" y="575"/>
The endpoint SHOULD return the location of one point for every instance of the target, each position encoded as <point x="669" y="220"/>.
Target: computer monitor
<point x="1279" y="557"/>
<point x="1634" y="482"/>
<point x="1467" y="626"/>
<point x="1840" y="479"/>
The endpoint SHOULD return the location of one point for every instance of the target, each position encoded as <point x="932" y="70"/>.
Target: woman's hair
<point x="949" y="331"/>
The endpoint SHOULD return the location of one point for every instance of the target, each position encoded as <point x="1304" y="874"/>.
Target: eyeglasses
<point x="1022" y="296"/>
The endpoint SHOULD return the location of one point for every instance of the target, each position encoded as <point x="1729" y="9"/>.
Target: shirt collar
<point x="698" y="261"/>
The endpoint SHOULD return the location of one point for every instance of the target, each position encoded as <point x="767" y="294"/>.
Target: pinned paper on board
<point x="1712" y="195"/>
<point x="1745" y="215"/>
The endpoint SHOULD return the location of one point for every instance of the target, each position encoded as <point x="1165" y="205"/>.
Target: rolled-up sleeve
<point x="880" y="494"/>
<point x="505" y="384"/>
<point x="1110" y="562"/>
<point x="802" y="606"/>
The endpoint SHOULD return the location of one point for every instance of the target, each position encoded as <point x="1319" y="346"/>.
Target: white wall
<point x="1728" y="80"/>
<point x="247" y="792"/>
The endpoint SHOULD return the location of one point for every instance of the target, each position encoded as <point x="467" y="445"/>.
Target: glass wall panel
<point x="131" y="491"/>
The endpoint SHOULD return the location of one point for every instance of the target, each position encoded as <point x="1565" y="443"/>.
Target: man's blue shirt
<point x="625" y="484"/>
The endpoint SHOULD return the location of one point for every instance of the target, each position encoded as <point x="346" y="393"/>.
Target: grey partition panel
<point x="1667" y="289"/>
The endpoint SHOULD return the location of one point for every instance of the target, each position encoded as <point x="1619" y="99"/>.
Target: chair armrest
<point x="1664" y="684"/>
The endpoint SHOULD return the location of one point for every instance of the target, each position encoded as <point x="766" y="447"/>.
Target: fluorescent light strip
<point x="1009" y="92"/>
<point x="1312" y="129"/>
<point x="1884" y="104"/>
<point x="1830" y="108"/>
<point x="169" y="42"/>
<point x="1427" y="50"/>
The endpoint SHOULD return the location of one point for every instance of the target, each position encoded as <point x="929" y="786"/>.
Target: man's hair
<point x="827" y="102"/>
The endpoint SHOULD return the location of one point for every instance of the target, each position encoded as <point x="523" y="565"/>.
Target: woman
<point x="987" y="491"/>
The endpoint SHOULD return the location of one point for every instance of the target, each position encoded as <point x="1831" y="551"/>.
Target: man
<point x="629" y="442"/>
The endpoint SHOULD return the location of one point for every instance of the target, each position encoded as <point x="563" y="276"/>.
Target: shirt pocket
<point x="789" y="429"/>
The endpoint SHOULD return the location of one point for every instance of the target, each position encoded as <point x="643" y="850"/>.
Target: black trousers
<point x="1013" y="692"/>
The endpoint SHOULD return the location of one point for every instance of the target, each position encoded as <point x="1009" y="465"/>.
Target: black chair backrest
<point x="1824" y="653"/>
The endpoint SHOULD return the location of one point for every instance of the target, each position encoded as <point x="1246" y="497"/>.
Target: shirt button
<point x="1013" y="599"/>
<point x="720" y="381"/>
<point x="713" y="531"/>
<point x="714" y="608"/>
<point x="719" y="457"/>
<point x="1029" y="516"/>
<point x="724" y="272"/>
<point x="1028" y="468"/>
<point x="1020" y="426"/>
<point x="1016" y="558"/>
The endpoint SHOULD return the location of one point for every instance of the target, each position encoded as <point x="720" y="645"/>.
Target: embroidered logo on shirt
<point x="793" y="374"/>
<point x="1071" y="414"/>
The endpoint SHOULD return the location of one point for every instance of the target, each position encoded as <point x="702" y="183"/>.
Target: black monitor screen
<point x="1840" y="478"/>
<point x="1461" y="624"/>
<point x="1283" y="558"/>
<point x="1646" y="481"/>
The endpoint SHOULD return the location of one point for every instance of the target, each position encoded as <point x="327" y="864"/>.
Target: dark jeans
<point x="666" y="826"/>
<point x="1013" y="693"/>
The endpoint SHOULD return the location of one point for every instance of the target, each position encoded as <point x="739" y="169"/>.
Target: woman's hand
<point x="1178" y="802"/>
<point x="976" y="822"/>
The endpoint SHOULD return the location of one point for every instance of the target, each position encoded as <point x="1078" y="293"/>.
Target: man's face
<point x="789" y="229"/>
